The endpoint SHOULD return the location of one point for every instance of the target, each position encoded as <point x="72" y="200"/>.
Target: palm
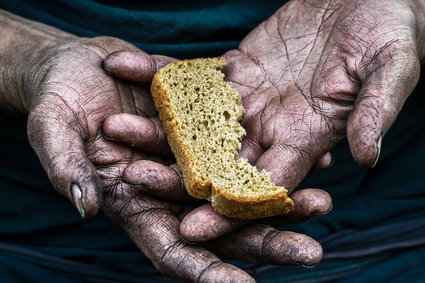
<point x="300" y="73"/>
<point x="65" y="130"/>
<point x="76" y="101"/>
<point x="76" y="97"/>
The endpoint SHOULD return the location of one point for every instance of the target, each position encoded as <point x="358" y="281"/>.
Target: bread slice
<point x="200" y="112"/>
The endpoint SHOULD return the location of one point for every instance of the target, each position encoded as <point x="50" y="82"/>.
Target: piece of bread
<point x="200" y="112"/>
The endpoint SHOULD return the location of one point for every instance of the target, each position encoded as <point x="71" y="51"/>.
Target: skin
<point x="312" y="74"/>
<point x="205" y="223"/>
<point x="339" y="69"/>
<point x="59" y="81"/>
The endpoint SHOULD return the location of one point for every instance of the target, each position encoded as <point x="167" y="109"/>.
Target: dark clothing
<point x="374" y="232"/>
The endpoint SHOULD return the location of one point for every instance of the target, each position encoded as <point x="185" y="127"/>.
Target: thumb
<point x="289" y="163"/>
<point x="134" y="66"/>
<point x="386" y="84"/>
<point x="60" y="148"/>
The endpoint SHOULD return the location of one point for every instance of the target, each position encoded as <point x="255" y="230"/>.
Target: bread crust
<point x="239" y="207"/>
<point x="251" y="208"/>
<point x="193" y="183"/>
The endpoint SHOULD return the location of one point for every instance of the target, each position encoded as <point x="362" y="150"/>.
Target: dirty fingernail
<point x="77" y="197"/>
<point x="308" y="266"/>
<point x="323" y="213"/>
<point x="107" y="137"/>
<point x="332" y="161"/>
<point x="102" y="66"/>
<point x="378" y="151"/>
<point x="188" y="242"/>
<point x="134" y="186"/>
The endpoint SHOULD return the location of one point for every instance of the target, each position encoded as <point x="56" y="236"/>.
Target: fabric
<point x="374" y="232"/>
<point x="183" y="29"/>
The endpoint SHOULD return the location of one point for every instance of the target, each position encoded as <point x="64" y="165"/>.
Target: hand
<point x="68" y="103"/>
<point x="84" y="163"/>
<point x="317" y="71"/>
<point x="58" y="79"/>
<point x="153" y="224"/>
<point x="314" y="73"/>
<point x="65" y="129"/>
<point x="308" y="202"/>
<point x="62" y="85"/>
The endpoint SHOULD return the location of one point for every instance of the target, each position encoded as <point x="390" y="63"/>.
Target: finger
<point x="155" y="179"/>
<point x="324" y="162"/>
<point x="250" y="150"/>
<point x="237" y="63"/>
<point x="308" y="203"/>
<point x="288" y="165"/>
<point x="57" y="139"/>
<point x="262" y="244"/>
<point x="204" y="223"/>
<point x="135" y="66"/>
<point x="154" y="229"/>
<point x="144" y="133"/>
<point x="386" y="84"/>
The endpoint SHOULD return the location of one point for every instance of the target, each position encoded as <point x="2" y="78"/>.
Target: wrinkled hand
<point x="69" y="105"/>
<point x="313" y="73"/>
<point x="70" y="100"/>
<point x="204" y="223"/>
<point x="318" y="71"/>
<point x="153" y="224"/>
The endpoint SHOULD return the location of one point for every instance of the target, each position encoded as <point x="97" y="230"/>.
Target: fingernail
<point x="133" y="185"/>
<point x="332" y="161"/>
<point x="102" y="66"/>
<point x="378" y="151"/>
<point x="188" y="242"/>
<point x="308" y="266"/>
<point x="323" y="213"/>
<point x="106" y="137"/>
<point x="77" y="197"/>
<point x="330" y="209"/>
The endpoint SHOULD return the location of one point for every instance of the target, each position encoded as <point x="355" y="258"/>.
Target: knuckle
<point x="172" y="260"/>
<point x="268" y="240"/>
<point x="203" y="276"/>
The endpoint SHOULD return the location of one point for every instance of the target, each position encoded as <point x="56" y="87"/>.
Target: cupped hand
<point x="70" y="97"/>
<point x="312" y="74"/>
<point x="153" y="224"/>
<point x="317" y="71"/>
<point x="204" y="223"/>
<point x="58" y="79"/>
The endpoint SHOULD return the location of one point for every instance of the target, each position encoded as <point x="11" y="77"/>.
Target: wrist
<point x="26" y="48"/>
<point x="33" y="72"/>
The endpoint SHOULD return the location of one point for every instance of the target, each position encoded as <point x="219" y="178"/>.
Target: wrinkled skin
<point x="70" y="99"/>
<point x="317" y="71"/>
<point x="312" y="74"/>
<point x="67" y="107"/>
<point x="300" y="101"/>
